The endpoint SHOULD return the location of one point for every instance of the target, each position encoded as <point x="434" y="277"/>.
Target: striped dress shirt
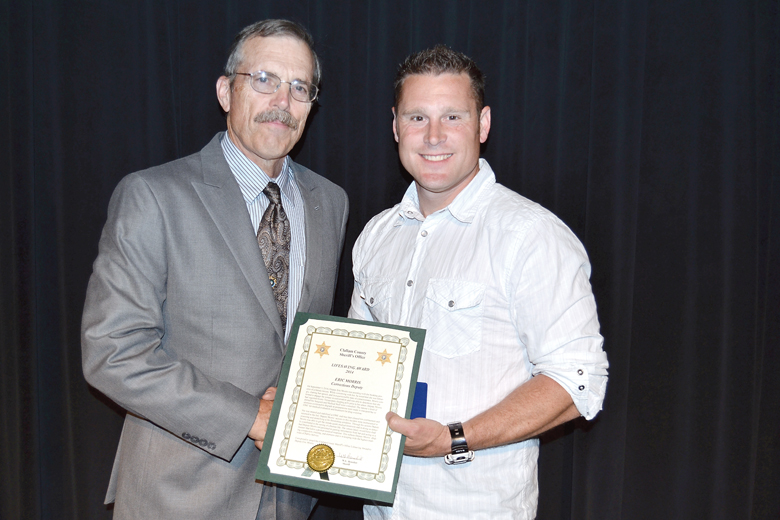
<point x="252" y="180"/>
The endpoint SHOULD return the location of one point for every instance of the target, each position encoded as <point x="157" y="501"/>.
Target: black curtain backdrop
<point x="651" y="128"/>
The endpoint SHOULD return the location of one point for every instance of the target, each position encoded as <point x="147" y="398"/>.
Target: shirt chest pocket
<point x="376" y="293"/>
<point x="452" y="316"/>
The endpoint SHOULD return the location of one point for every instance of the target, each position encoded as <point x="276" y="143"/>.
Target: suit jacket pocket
<point x="452" y="316"/>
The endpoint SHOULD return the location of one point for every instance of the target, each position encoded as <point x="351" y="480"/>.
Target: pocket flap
<point x="375" y="291"/>
<point x="455" y="295"/>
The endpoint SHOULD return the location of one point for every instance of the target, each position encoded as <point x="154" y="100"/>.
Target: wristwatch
<point x="461" y="454"/>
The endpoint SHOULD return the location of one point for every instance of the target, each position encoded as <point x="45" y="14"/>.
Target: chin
<point x="432" y="179"/>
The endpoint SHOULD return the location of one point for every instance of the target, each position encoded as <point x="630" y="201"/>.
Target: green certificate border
<point x="307" y="479"/>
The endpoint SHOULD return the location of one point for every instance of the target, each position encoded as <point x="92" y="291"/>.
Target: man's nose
<point x="281" y="98"/>
<point x="435" y="133"/>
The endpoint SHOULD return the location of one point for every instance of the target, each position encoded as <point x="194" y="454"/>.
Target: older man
<point x="502" y="287"/>
<point x="202" y="264"/>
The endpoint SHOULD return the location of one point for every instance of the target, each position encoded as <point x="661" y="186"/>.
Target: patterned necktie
<point x="273" y="237"/>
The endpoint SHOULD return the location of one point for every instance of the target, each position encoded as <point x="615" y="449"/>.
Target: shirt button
<point x="409" y="283"/>
<point x="578" y="371"/>
<point x="582" y="387"/>
<point x="371" y="301"/>
<point x="451" y="304"/>
<point x="424" y="233"/>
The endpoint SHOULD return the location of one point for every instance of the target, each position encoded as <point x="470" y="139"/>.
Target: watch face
<point x="460" y="448"/>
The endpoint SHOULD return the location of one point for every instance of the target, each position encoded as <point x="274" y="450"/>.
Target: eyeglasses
<point x="267" y="83"/>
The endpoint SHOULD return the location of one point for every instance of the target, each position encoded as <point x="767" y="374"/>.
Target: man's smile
<point x="436" y="158"/>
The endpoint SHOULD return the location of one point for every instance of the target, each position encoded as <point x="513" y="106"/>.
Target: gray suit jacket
<point x="180" y="328"/>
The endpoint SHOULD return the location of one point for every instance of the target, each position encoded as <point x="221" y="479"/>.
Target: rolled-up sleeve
<point x="555" y="313"/>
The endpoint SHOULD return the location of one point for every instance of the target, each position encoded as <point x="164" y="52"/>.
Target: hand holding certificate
<point x="328" y="430"/>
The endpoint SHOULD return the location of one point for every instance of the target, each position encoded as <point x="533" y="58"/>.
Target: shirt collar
<point x="466" y="203"/>
<point x="251" y="178"/>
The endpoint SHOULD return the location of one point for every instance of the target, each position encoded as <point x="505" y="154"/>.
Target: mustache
<point x="277" y="115"/>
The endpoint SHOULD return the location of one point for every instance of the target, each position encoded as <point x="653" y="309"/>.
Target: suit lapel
<point x="222" y="198"/>
<point x="314" y="247"/>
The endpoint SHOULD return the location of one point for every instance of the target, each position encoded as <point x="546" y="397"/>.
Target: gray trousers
<point x="282" y="503"/>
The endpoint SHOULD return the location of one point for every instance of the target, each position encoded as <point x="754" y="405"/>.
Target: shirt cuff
<point x="586" y="384"/>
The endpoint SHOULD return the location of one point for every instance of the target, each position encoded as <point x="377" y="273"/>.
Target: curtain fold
<point x="652" y="129"/>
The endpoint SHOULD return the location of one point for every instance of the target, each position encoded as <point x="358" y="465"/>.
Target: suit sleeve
<point x="123" y="354"/>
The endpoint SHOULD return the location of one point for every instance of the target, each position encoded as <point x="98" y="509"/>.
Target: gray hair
<point x="440" y="60"/>
<point x="270" y="28"/>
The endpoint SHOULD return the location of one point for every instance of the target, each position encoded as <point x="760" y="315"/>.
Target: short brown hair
<point x="440" y="60"/>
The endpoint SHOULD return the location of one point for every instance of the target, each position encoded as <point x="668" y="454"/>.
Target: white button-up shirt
<point x="502" y="287"/>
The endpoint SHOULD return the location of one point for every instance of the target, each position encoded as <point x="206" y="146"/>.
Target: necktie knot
<point x="272" y="192"/>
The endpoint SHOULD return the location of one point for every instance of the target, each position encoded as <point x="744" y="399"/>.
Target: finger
<point x="265" y="408"/>
<point x="391" y="418"/>
<point x="397" y="423"/>
<point x="269" y="394"/>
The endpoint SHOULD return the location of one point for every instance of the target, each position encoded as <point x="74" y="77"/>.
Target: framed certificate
<point x="327" y="430"/>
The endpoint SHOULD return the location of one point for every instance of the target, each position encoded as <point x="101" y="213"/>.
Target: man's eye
<point x="262" y="78"/>
<point x="416" y="119"/>
<point x="300" y="87"/>
<point x="452" y="118"/>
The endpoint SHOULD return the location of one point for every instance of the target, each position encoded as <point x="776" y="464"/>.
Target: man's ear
<point x="395" y="126"/>
<point x="484" y="124"/>
<point x="223" y="93"/>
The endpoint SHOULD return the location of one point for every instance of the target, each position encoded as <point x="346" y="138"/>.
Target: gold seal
<point x="321" y="458"/>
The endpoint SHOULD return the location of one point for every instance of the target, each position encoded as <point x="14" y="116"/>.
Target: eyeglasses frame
<point x="312" y="87"/>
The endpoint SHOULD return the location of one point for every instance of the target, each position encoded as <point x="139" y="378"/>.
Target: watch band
<point x="460" y="448"/>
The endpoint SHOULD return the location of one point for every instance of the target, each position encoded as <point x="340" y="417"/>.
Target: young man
<point x="502" y="287"/>
<point x="203" y="262"/>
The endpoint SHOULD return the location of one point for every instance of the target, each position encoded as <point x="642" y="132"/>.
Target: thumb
<point x="392" y="418"/>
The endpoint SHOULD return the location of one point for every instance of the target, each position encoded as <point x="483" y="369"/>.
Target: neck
<point x="272" y="167"/>
<point x="432" y="202"/>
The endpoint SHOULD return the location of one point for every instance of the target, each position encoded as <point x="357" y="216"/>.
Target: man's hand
<point x="532" y="408"/>
<point x="424" y="437"/>
<point x="257" y="433"/>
